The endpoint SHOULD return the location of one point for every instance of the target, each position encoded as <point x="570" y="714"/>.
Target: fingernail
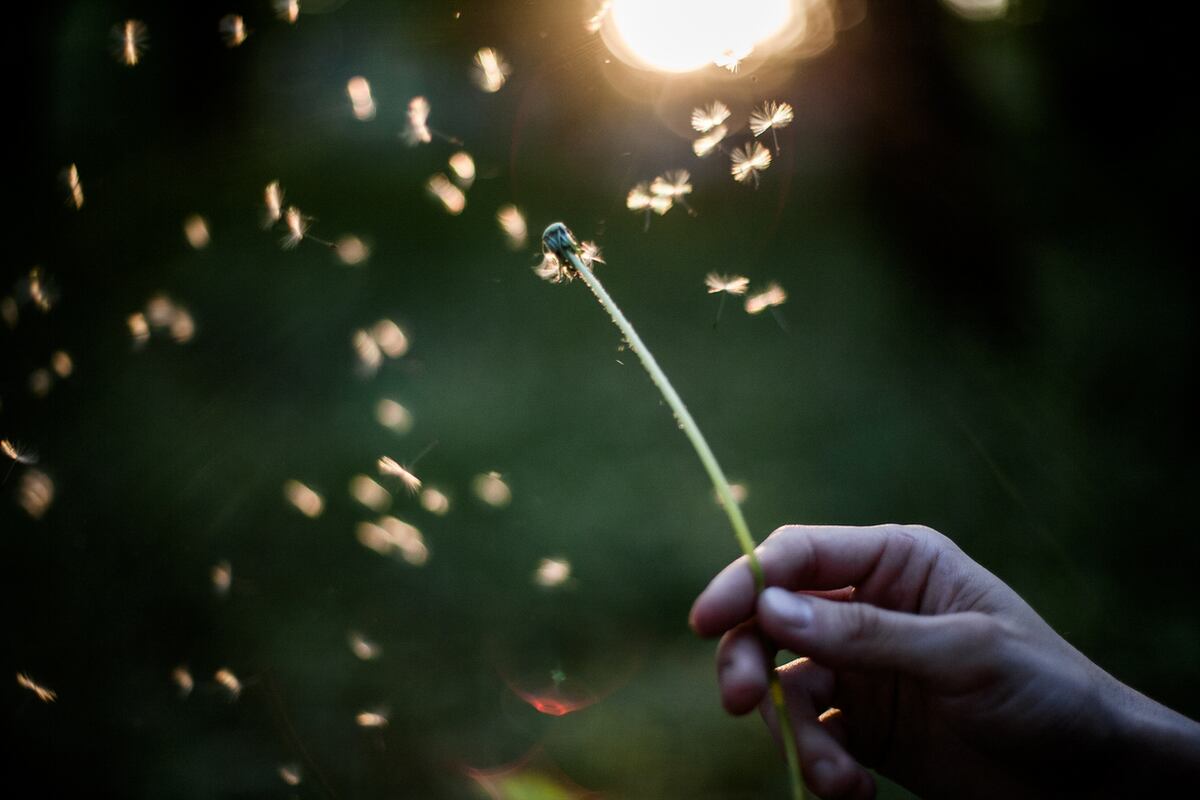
<point x="794" y="609"/>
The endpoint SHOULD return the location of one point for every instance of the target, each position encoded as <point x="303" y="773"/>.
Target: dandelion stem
<point x="740" y="529"/>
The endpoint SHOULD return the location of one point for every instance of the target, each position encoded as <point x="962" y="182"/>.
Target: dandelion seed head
<point x="362" y="647"/>
<point x="747" y="162"/>
<point x="731" y="284"/>
<point x="273" y="204"/>
<point x="233" y="30"/>
<point x="639" y="197"/>
<point x="390" y="337"/>
<point x="512" y="222"/>
<point x="221" y="577"/>
<point x="552" y="572"/>
<point x="773" y="295"/>
<point x="491" y="488"/>
<point x="288" y="11"/>
<point x="770" y="115"/>
<point x="370" y="494"/>
<point x="434" y="501"/>
<point x="389" y="466"/>
<point x="418" y="131"/>
<point x="593" y="23"/>
<point x="183" y="680"/>
<point x="463" y="167"/>
<point x="305" y="500"/>
<point x="491" y="70"/>
<point x="74" y="186"/>
<point x="297" y="226"/>
<point x="351" y="250"/>
<point x="361" y="102"/>
<point x="229" y="682"/>
<point x="710" y="116"/>
<point x="672" y="184"/>
<point x="705" y="144"/>
<point x="290" y="773"/>
<point x="130" y="41"/>
<point x="393" y="415"/>
<point x="195" y="230"/>
<point x="41" y="692"/>
<point x="451" y="197"/>
<point x="35" y="493"/>
<point x="371" y="719"/>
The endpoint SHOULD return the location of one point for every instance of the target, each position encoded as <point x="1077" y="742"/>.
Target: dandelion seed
<point x="35" y="493"/>
<point x="709" y="117"/>
<point x="351" y="250"/>
<point x="491" y="71"/>
<point x="732" y="284"/>
<point x="222" y="578"/>
<point x="390" y="337"/>
<point x="195" y="230"/>
<point x="389" y="466"/>
<point x="229" y="682"/>
<point x="70" y="177"/>
<point x="739" y="492"/>
<point x="772" y="296"/>
<point x="233" y="30"/>
<point x="160" y="310"/>
<point x="491" y="489"/>
<point x="463" y="167"/>
<point x="674" y="185"/>
<point x="705" y="144"/>
<point x="512" y="222"/>
<point x="418" y="131"/>
<point x="130" y="38"/>
<point x="370" y="494"/>
<point x="361" y="102"/>
<point x="434" y="501"/>
<point x="391" y="414"/>
<point x="732" y="58"/>
<point x="552" y="572"/>
<point x="183" y="327"/>
<point x="40" y="382"/>
<point x="297" y="226"/>
<point x="10" y="311"/>
<point x="273" y="204"/>
<point x="42" y="693"/>
<point x="771" y="117"/>
<point x="391" y="535"/>
<point x="304" y="499"/>
<point x="18" y="454"/>
<point x="639" y="198"/>
<point x="362" y="647"/>
<point x="139" y="329"/>
<point x="288" y="11"/>
<point x="451" y="197"/>
<point x="61" y="364"/>
<point x="371" y="719"/>
<point x="593" y="23"/>
<point x="589" y="254"/>
<point x="367" y="349"/>
<point x="747" y="162"/>
<point x="182" y="678"/>
<point x="552" y="270"/>
<point x="290" y="773"/>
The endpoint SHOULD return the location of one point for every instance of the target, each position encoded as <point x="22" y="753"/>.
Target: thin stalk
<point x="740" y="530"/>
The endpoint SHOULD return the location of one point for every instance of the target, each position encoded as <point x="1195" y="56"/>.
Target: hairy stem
<point x="740" y="530"/>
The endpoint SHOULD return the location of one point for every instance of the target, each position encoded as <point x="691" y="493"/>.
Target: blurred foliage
<point x="991" y="325"/>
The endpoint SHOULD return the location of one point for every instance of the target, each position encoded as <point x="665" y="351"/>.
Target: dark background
<point x="983" y="229"/>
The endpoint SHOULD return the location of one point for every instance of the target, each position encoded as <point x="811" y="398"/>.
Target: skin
<point x="945" y="680"/>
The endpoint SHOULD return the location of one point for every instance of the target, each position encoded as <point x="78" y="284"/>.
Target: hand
<point x="943" y="678"/>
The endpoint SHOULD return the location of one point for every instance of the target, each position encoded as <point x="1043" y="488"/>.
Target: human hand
<point x="945" y="680"/>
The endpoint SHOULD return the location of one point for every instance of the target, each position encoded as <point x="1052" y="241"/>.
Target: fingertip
<point x="741" y="670"/>
<point x="839" y="777"/>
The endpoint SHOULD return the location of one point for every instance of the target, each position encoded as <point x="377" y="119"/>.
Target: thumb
<point x="862" y="636"/>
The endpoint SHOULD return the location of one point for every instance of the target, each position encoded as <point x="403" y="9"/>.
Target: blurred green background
<point x="991" y="325"/>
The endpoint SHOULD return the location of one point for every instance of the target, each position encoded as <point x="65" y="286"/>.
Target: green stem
<point x="740" y="529"/>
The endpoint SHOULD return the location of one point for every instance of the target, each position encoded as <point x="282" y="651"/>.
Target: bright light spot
<point x="370" y="494"/>
<point x="391" y="414"/>
<point x="195" y="229"/>
<point x="229" y="682"/>
<point x="686" y="35"/>
<point x="435" y="501"/>
<point x="306" y="501"/>
<point x="290" y="774"/>
<point x="43" y="694"/>
<point x="35" y="493"/>
<point x="463" y="167"/>
<point x="360" y="98"/>
<point x="222" y="578"/>
<point x="183" y="680"/>
<point x="552" y="572"/>
<point x="978" y="10"/>
<point x="362" y="647"/>
<point x="371" y="719"/>
<point x="491" y="489"/>
<point x="351" y="250"/>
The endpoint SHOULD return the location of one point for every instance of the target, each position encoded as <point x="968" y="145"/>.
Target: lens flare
<point x="686" y="35"/>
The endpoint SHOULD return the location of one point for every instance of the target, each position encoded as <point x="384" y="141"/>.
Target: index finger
<point x="794" y="557"/>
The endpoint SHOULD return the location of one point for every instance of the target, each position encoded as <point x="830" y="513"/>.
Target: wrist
<point x="1147" y="746"/>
